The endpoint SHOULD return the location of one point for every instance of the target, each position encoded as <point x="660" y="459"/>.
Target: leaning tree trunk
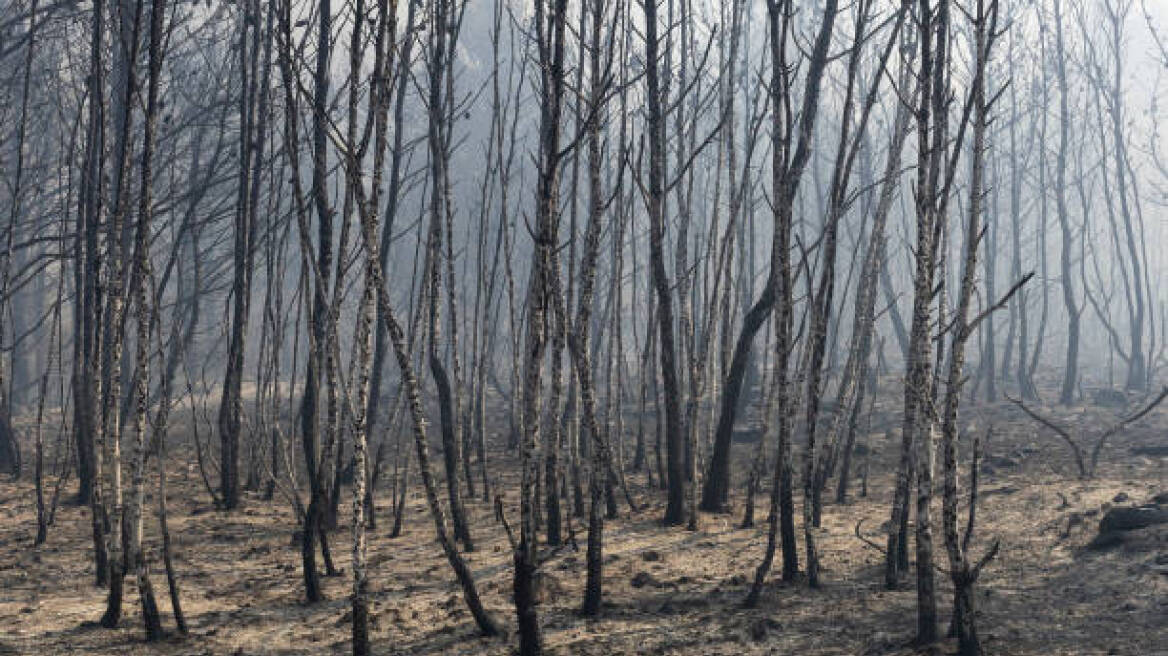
<point x="412" y="392"/>
<point x="788" y="170"/>
<point x="437" y="140"/>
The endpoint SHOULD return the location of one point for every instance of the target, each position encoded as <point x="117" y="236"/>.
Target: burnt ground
<point x="667" y="590"/>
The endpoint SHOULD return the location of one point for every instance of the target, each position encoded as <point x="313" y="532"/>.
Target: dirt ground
<point x="1045" y="593"/>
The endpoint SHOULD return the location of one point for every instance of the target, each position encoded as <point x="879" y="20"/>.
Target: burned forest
<point x="584" y="327"/>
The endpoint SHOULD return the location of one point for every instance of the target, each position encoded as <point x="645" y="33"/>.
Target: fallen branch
<point x="866" y="540"/>
<point x="501" y="517"/>
<point x="972" y="325"/>
<point x="1075" y="448"/>
<point x="1124" y="423"/>
<point x="1086" y="471"/>
<point x="985" y="560"/>
<point x="973" y="467"/>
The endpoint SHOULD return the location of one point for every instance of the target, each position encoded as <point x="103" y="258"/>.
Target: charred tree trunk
<point x="655" y="201"/>
<point x="439" y="50"/>
<point x="1070" y="304"/>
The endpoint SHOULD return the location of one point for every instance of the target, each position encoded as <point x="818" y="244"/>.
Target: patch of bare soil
<point x="666" y="590"/>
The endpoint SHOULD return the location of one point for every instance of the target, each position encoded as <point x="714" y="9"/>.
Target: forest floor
<point x="667" y="590"/>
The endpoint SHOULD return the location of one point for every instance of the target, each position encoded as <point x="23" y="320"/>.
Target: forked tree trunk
<point x="317" y="280"/>
<point x="933" y="175"/>
<point x="253" y="104"/>
<point x="135" y="555"/>
<point x="578" y="342"/>
<point x="114" y="322"/>
<point x="550" y="25"/>
<point x="962" y="572"/>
